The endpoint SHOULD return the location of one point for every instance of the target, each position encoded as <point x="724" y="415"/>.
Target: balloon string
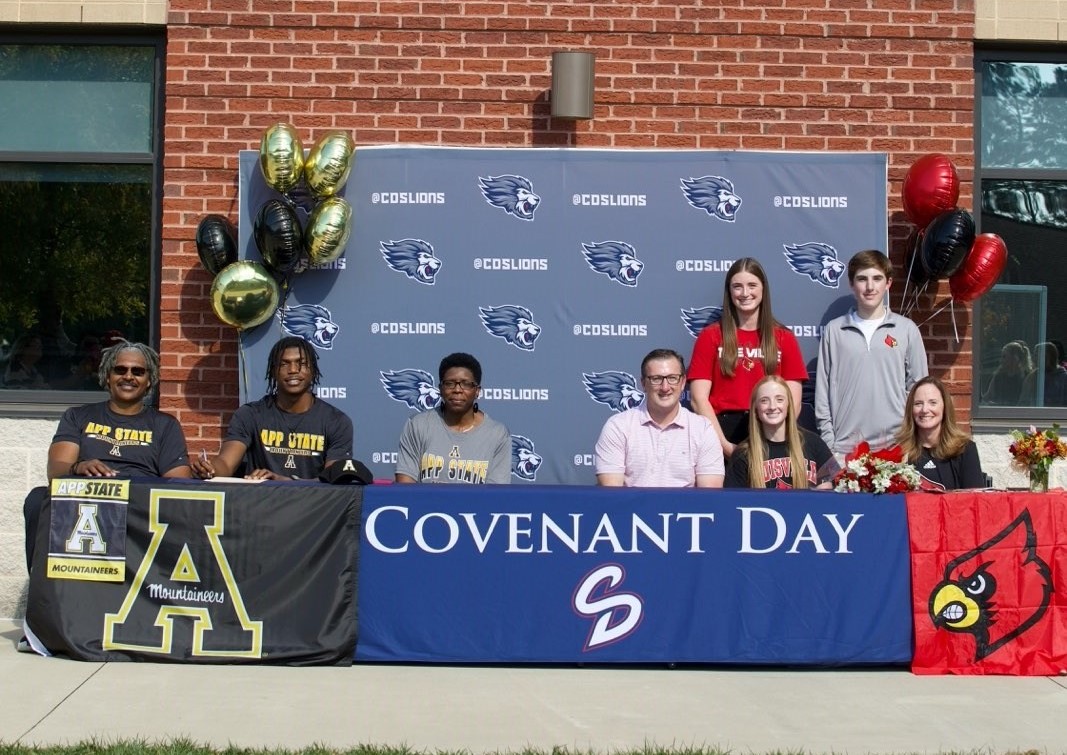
<point x="244" y="362"/>
<point x="938" y="311"/>
<point x="907" y="282"/>
<point x="286" y="290"/>
<point x="918" y="292"/>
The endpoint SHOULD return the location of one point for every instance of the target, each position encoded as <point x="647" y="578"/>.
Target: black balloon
<point x="216" y="243"/>
<point x="946" y="242"/>
<point x="278" y="236"/>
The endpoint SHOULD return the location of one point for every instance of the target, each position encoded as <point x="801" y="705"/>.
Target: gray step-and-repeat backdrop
<point x="559" y="269"/>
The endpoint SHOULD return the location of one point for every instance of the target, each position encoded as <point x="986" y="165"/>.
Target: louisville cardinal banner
<point x="985" y="597"/>
<point x="196" y="572"/>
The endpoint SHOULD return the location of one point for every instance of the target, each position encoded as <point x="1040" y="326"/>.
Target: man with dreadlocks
<point x="289" y="434"/>
<point x="120" y="436"/>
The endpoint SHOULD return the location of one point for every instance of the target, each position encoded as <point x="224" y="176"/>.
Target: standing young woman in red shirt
<point x="732" y="355"/>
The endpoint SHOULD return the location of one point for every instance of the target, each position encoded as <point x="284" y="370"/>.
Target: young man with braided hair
<point x="289" y="434"/>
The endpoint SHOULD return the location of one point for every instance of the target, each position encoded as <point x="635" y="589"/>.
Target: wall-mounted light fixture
<point x="572" y="85"/>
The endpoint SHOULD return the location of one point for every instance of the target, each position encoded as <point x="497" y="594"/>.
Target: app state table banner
<point x="988" y="584"/>
<point x="166" y="570"/>
<point x="566" y="574"/>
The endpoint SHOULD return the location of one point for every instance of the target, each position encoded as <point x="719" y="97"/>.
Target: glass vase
<point x="1038" y="478"/>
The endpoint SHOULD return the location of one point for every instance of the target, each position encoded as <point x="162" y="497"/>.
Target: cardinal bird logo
<point x="1008" y="564"/>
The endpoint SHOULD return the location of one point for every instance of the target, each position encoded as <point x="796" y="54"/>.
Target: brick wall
<point x="819" y="75"/>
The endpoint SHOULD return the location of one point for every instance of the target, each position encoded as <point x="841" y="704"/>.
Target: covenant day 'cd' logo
<point x="414" y="258"/>
<point x="617" y="390"/>
<point x="513" y="323"/>
<point x="817" y="261"/>
<point x="512" y="194"/>
<point x="414" y="388"/>
<point x="615" y="259"/>
<point x="312" y="322"/>
<point x="698" y="318"/>
<point x="617" y="613"/>
<point x="713" y="194"/>
<point x="524" y="460"/>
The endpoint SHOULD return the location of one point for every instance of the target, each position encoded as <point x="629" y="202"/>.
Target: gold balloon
<point x="281" y="157"/>
<point x="244" y="294"/>
<point x="327" y="230"/>
<point x="329" y="163"/>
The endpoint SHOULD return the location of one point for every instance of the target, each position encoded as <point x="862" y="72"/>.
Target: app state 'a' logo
<point x="414" y="258"/>
<point x="615" y="259"/>
<point x="513" y="323"/>
<point x="512" y="194"/>
<point x="817" y="261"/>
<point x="714" y="195"/>
<point x="524" y="460"/>
<point x="185" y="578"/>
<point x="312" y="322"/>
<point x="698" y="318"/>
<point x="414" y="388"/>
<point x="617" y="390"/>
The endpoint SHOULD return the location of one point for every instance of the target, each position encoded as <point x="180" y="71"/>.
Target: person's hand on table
<point x="92" y="468"/>
<point x="202" y="466"/>
<point x="266" y="474"/>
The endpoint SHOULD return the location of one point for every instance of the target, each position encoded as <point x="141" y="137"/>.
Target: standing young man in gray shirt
<point x="868" y="361"/>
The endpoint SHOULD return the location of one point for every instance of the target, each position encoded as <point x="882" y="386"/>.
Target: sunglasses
<point x="121" y="369"/>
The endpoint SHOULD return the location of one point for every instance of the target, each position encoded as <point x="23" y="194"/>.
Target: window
<point x="1020" y="326"/>
<point x="79" y="168"/>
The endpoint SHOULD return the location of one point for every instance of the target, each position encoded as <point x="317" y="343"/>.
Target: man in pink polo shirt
<point x="660" y="444"/>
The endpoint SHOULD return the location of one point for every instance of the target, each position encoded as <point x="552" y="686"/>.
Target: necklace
<point x="460" y="428"/>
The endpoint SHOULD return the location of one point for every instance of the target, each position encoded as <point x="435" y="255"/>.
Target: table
<point x="172" y="570"/>
<point x="583" y="574"/>
<point x="226" y="572"/>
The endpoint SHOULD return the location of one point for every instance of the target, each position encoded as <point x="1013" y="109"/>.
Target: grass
<point x="188" y="747"/>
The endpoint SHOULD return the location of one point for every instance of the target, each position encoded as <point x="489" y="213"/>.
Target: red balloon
<point x="980" y="269"/>
<point x="931" y="187"/>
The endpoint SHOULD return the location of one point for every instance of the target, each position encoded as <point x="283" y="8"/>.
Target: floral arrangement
<point x="1037" y="448"/>
<point x="884" y="471"/>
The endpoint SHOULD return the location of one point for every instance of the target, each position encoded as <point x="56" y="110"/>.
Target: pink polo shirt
<point x="649" y="456"/>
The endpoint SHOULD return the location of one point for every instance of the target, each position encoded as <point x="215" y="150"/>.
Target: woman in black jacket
<point x="941" y="451"/>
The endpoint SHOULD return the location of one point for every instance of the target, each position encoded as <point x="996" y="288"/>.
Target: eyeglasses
<point x="658" y="379"/>
<point x="121" y="369"/>
<point x="467" y="385"/>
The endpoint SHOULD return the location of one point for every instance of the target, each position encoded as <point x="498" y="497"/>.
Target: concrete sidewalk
<point x="480" y="709"/>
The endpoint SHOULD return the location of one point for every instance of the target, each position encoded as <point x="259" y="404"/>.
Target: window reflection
<point x="1021" y="335"/>
<point x="1024" y="107"/>
<point x="79" y="237"/>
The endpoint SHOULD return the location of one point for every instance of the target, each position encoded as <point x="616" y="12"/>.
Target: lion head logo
<point x="617" y="390"/>
<point x="512" y="194"/>
<point x="524" y="460"/>
<point x="817" y="261"/>
<point x="414" y="258"/>
<point x="698" y="318"/>
<point x="414" y="388"/>
<point x="312" y="322"/>
<point x="513" y="323"/>
<point x="1005" y="567"/>
<point x="714" y="195"/>
<point x="615" y="259"/>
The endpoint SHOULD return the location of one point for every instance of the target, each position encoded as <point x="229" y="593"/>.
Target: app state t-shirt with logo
<point x="290" y="444"/>
<point x="148" y="444"/>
